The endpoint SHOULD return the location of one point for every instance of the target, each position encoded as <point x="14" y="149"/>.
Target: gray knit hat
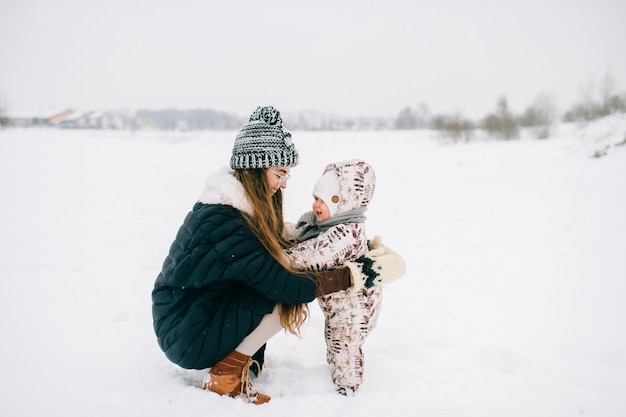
<point x="263" y="142"/>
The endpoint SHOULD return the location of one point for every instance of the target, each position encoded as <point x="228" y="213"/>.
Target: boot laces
<point x="246" y="383"/>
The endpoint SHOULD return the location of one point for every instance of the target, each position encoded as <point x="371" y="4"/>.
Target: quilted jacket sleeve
<point x="215" y="251"/>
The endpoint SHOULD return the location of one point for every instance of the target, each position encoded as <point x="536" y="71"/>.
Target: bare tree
<point x="608" y="88"/>
<point x="611" y="101"/>
<point x="541" y="115"/>
<point x="501" y="124"/>
<point x="454" y="127"/>
<point x="409" y="118"/>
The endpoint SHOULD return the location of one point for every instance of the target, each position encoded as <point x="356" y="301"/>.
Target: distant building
<point x="71" y="119"/>
<point x="58" y="118"/>
<point x="25" y="119"/>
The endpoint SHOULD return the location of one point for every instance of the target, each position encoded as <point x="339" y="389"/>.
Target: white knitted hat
<point x="346" y="185"/>
<point x="328" y="189"/>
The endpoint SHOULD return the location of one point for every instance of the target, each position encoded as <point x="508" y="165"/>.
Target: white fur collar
<point x="221" y="187"/>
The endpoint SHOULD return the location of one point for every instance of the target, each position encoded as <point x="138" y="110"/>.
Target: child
<point x="327" y="237"/>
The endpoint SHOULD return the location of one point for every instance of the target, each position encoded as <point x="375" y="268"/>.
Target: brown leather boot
<point x="231" y="376"/>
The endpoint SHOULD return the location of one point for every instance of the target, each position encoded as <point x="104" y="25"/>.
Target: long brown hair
<point x="268" y="225"/>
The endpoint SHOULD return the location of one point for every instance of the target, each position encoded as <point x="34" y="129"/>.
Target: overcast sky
<point x="368" y="57"/>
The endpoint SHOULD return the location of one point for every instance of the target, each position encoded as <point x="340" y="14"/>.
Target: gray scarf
<point x="311" y="228"/>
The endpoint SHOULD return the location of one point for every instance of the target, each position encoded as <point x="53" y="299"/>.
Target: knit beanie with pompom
<point x="263" y="143"/>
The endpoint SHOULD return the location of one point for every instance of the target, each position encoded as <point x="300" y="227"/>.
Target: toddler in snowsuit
<point x="327" y="237"/>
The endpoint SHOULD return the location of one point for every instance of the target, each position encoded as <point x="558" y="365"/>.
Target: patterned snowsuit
<point x="349" y="315"/>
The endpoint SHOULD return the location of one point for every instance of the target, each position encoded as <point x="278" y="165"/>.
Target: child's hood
<point x="357" y="182"/>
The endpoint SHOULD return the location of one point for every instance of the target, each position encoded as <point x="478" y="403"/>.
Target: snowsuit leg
<point x="349" y="318"/>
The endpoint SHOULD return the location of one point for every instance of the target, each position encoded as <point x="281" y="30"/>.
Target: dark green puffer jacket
<point x="217" y="282"/>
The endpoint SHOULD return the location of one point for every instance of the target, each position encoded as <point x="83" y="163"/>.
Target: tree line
<point x="540" y="116"/>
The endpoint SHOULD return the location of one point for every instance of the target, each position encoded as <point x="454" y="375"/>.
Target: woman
<point x="226" y="287"/>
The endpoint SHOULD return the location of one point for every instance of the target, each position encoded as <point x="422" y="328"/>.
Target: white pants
<point x="268" y="327"/>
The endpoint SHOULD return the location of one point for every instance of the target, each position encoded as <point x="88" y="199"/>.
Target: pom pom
<point x="267" y="114"/>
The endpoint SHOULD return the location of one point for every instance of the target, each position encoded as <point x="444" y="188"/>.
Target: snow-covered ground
<point x="512" y="305"/>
